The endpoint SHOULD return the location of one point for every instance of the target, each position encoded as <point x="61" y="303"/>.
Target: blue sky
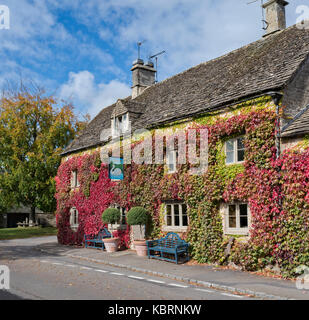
<point x="82" y="51"/>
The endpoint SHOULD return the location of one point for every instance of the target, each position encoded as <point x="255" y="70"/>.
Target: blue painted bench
<point x="169" y="248"/>
<point x="92" y="242"/>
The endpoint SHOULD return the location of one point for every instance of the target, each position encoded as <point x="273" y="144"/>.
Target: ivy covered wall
<point x="276" y="190"/>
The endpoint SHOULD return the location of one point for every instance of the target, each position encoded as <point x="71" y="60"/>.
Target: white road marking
<point x="70" y="265"/>
<point x="86" y="268"/>
<point x="57" y="264"/>
<point x="155" y="281"/>
<point x="177" y="285"/>
<point x="117" y="274"/>
<point x="134" y="277"/>
<point x="44" y="261"/>
<point x="204" y="290"/>
<point x="104" y="271"/>
<point x="232" y="295"/>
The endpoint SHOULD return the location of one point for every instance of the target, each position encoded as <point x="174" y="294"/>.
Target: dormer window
<point x="120" y="125"/>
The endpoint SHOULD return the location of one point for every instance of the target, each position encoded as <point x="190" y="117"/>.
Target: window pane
<point x="244" y="222"/>
<point x="184" y="216"/>
<point x="169" y="215"/>
<point x="243" y="213"/>
<point x="230" y="145"/>
<point x="240" y="143"/>
<point x="232" y="216"/>
<point x="75" y="217"/>
<point x="123" y="216"/>
<point x="240" y="155"/>
<point x="125" y="122"/>
<point x="176" y="215"/>
<point x="171" y="161"/>
<point x="240" y="149"/>
<point x="229" y="157"/>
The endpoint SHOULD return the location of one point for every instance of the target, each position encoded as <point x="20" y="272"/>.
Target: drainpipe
<point x="276" y="96"/>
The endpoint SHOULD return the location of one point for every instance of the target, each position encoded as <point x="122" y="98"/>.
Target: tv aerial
<point x="264" y="22"/>
<point x="139" y="44"/>
<point x="155" y="56"/>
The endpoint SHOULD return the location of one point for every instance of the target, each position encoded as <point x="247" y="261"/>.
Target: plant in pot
<point x="111" y="216"/>
<point x="137" y="216"/>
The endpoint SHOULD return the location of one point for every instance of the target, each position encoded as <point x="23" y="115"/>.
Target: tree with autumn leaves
<point x="34" y="131"/>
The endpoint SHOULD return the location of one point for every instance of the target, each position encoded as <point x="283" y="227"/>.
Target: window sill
<point x="174" y="229"/>
<point x="234" y="163"/>
<point x="117" y="226"/>
<point x="237" y="232"/>
<point x="74" y="228"/>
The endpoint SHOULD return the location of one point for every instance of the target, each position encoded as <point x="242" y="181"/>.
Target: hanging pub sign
<point x="115" y="168"/>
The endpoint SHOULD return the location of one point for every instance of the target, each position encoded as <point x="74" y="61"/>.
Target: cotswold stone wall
<point x="274" y="189"/>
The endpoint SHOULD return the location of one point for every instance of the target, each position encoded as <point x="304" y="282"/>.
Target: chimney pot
<point x="275" y="16"/>
<point x="138" y="61"/>
<point x="150" y="64"/>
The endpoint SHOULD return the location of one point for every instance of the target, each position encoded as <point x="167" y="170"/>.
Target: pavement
<point x="203" y="277"/>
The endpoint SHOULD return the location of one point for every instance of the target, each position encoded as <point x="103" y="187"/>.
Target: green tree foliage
<point x="33" y="133"/>
<point x="111" y="215"/>
<point x="137" y="216"/>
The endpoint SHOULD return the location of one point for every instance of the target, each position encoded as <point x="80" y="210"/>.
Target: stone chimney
<point x="275" y="16"/>
<point x="143" y="76"/>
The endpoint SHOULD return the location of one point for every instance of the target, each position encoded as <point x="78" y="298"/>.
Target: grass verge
<point x="22" y="233"/>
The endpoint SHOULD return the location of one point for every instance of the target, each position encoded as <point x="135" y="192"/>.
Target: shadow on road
<point x="5" y="295"/>
<point x="28" y="249"/>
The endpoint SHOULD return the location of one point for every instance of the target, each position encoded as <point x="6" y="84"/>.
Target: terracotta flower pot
<point x="111" y="244"/>
<point x="141" y="247"/>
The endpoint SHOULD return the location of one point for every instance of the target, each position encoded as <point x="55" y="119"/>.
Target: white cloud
<point x="46" y="48"/>
<point x="82" y="89"/>
<point x="190" y="31"/>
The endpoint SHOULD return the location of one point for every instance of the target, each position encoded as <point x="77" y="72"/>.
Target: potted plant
<point x="111" y="216"/>
<point x="137" y="216"/>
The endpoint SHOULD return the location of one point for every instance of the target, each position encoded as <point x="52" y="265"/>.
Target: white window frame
<point x="237" y="230"/>
<point x="74" y="179"/>
<point x="120" y="127"/>
<point x="235" y="151"/>
<point x="181" y="227"/>
<point x="74" y="219"/>
<point x="171" y="159"/>
<point x="123" y="212"/>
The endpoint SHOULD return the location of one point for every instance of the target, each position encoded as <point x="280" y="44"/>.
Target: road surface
<point x="43" y="276"/>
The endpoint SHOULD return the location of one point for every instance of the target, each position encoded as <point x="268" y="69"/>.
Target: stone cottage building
<point x="253" y="102"/>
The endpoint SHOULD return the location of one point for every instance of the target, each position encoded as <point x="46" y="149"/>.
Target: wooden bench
<point x="169" y="248"/>
<point x="92" y="242"/>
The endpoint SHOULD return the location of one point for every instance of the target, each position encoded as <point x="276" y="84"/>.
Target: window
<point x="74" y="219"/>
<point x="176" y="216"/>
<point x="171" y="161"/>
<point x="74" y="179"/>
<point x="123" y="217"/>
<point x="120" y="124"/>
<point x="235" y="150"/>
<point x="237" y="219"/>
